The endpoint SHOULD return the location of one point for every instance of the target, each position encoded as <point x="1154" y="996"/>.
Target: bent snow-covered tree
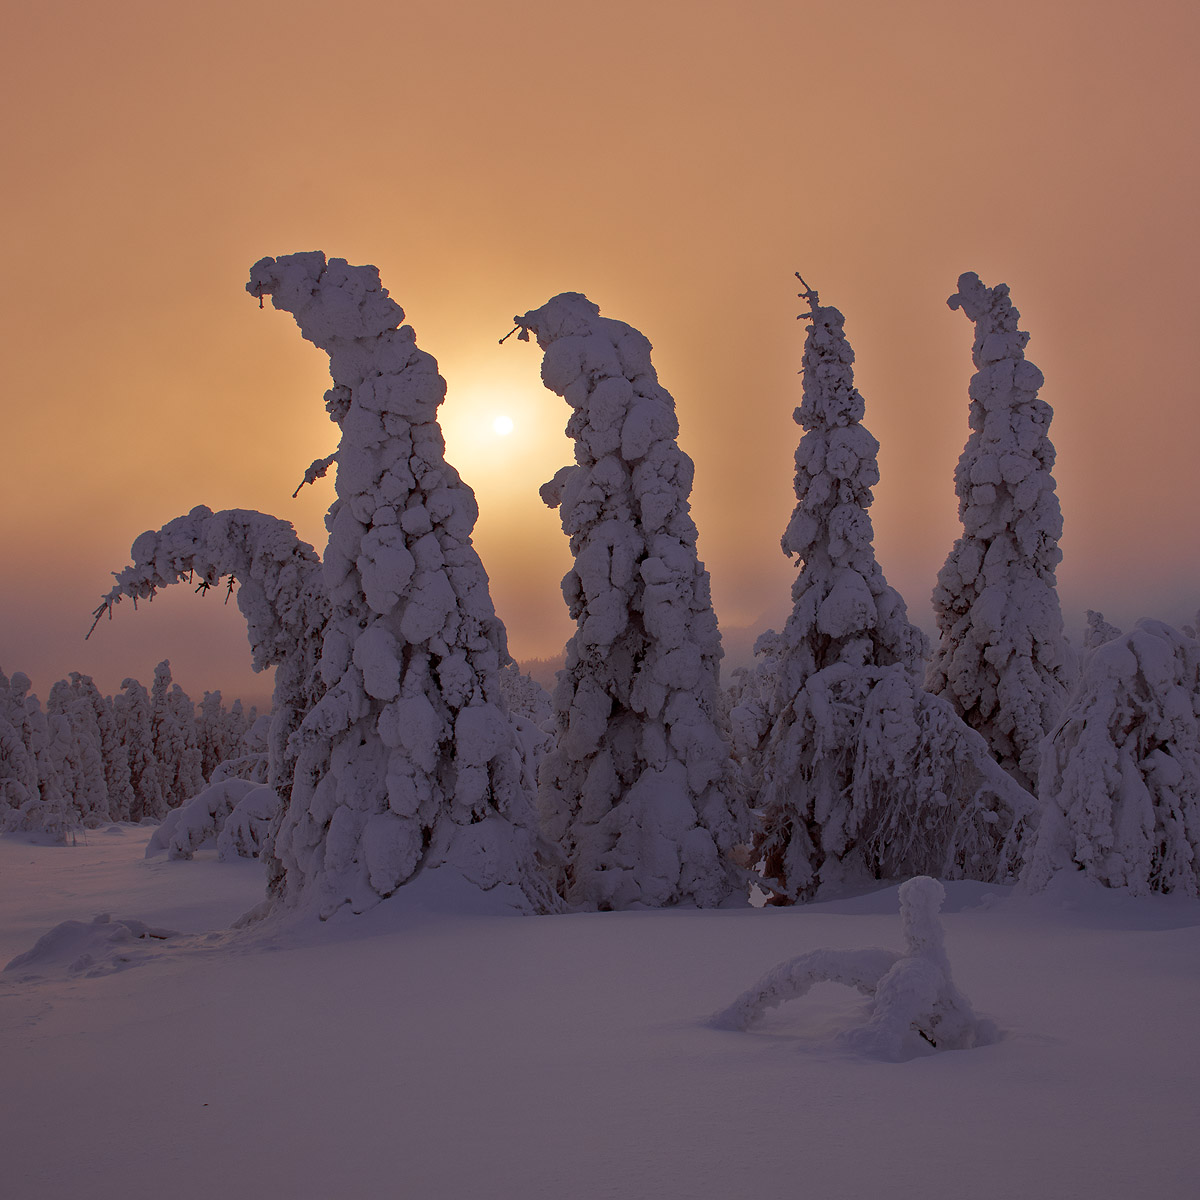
<point x="639" y="789"/>
<point x="1120" y="777"/>
<point x="1002" y="659"/>
<point x="857" y="772"/>
<point x="280" y="593"/>
<point x="423" y="767"/>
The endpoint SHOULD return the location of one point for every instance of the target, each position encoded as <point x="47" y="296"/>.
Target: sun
<point x="502" y="426"/>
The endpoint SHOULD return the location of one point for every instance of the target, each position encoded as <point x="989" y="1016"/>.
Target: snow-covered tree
<point x="79" y="759"/>
<point x="173" y="719"/>
<point x="19" y="789"/>
<point x="1002" y="659"/>
<point x="135" y="723"/>
<point x="281" y="594"/>
<point x="30" y="778"/>
<point x="857" y="772"/>
<point x="1120" y="777"/>
<point x="112" y="749"/>
<point x="640" y="791"/>
<point x="417" y="761"/>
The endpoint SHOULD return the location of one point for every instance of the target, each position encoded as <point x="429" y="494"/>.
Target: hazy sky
<point x="676" y="162"/>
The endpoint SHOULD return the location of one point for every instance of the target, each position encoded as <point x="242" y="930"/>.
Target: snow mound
<point x="234" y="815"/>
<point x="101" y="946"/>
<point x="915" y="1007"/>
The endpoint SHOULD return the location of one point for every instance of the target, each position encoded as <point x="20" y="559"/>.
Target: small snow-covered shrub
<point x="1120" y="776"/>
<point x="915" y="1005"/>
<point x="234" y="815"/>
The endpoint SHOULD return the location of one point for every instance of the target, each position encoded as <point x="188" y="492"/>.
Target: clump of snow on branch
<point x="1002" y="659"/>
<point x="639" y="790"/>
<point x="1120" y="776"/>
<point x="915" y="1006"/>
<point x="409" y="759"/>
<point x="857" y="772"/>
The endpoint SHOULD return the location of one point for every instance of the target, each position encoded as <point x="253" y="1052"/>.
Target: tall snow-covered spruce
<point x="1002" y="659"/>
<point x="639" y="790"/>
<point x="424" y="768"/>
<point x="857" y="772"/>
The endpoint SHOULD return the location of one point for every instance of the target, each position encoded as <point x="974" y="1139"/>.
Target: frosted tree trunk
<point x="409" y="759"/>
<point x="1002" y="659"/>
<point x="857" y="772"/>
<point x="640" y="790"/>
<point x="1120" y="776"/>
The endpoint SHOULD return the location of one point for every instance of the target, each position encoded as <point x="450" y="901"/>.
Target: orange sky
<point x="676" y="162"/>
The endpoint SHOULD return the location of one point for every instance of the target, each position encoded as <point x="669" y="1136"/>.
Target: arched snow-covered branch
<point x="915" y="1005"/>
<point x="280" y="592"/>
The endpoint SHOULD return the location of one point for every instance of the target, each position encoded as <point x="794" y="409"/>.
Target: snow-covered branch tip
<point x="317" y="469"/>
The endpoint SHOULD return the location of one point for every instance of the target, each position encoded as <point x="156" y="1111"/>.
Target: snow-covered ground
<point x="426" y="1050"/>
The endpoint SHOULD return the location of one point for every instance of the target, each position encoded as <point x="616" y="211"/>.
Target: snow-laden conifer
<point x="135" y="723"/>
<point x="280" y="592"/>
<point x="423" y="763"/>
<point x="112" y="749"/>
<point x="857" y="772"/>
<point x="1120" y="777"/>
<point x="80" y="761"/>
<point x="1002" y="659"/>
<point x="639" y="790"/>
<point x="31" y="743"/>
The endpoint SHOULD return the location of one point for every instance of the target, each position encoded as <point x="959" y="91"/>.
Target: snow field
<point x="416" y="1054"/>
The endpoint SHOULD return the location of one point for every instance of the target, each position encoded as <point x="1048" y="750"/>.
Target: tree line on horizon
<point x="850" y="752"/>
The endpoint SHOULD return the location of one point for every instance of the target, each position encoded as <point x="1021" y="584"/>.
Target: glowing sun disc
<point x="502" y="426"/>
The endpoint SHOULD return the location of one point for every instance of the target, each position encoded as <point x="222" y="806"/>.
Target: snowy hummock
<point x="915" y="1004"/>
<point x="409" y="759"/>
<point x="858" y="773"/>
<point x="1121" y="774"/>
<point x="1002" y="659"/>
<point x="639" y="790"/>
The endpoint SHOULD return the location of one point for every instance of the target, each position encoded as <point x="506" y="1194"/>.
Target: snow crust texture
<point x="639" y="792"/>
<point x="409" y="759"/>
<point x="857" y="772"/>
<point x="1120" y="777"/>
<point x="1001" y="658"/>
<point x="915" y="1005"/>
